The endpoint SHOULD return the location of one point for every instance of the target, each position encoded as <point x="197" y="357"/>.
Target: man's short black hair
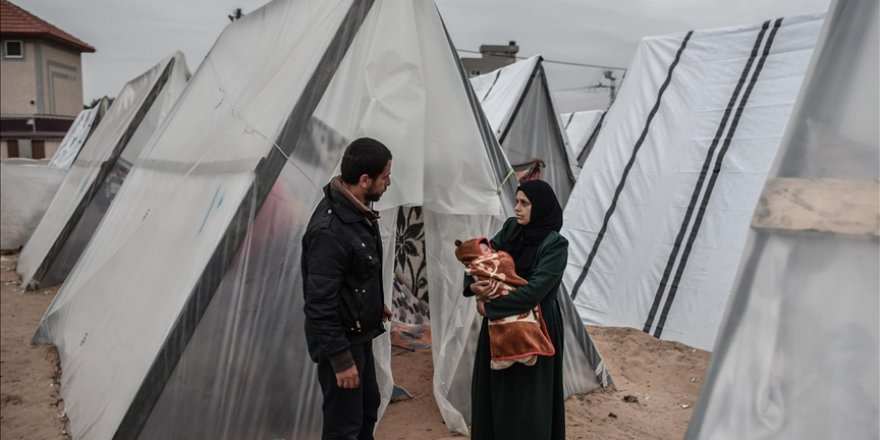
<point x="364" y="156"/>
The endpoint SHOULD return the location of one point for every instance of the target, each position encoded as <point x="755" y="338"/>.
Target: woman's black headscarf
<point x="546" y="217"/>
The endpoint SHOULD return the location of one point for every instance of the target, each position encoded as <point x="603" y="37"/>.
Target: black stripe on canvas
<point x="495" y="81"/>
<point x="716" y="171"/>
<point x="568" y="122"/>
<point x="266" y="174"/>
<point x="587" y="148"/>
<point x="626" y="170"/>
<point x="698" y="188"/>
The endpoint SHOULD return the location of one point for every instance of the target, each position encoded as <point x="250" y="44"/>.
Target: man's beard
<point x="373" y="197"/>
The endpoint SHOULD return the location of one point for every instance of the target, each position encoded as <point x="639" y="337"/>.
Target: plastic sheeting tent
<point x="517" y="102"/>
<point x="658" y="220"/>
<point x="83" y="126"/>
<point x="98" y="171"/>
<point x="183" y="317"/>
<point x="26" y="189"/>
<point x="28" y="186"/>
<point x="798" y="354"/>
<point x="582" y="129"/>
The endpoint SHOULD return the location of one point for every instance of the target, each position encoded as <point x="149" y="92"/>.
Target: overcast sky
<point x="132" y="35"/>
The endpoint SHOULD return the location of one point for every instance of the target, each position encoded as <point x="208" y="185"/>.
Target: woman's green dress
<point x="523" y="402"/>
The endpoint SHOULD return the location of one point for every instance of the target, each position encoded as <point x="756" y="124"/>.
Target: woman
<point x="524" y="402"/>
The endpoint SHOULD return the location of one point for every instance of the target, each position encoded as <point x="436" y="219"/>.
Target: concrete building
<point x="491" y="57"/>
<point x="40" y="83"/>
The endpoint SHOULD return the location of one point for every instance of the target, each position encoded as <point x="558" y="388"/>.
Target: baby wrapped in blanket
<point x="521" y="338"/>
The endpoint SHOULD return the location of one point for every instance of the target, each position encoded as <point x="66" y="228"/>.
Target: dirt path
<point x="30" y="407"/>
<point x="663" y="378"/>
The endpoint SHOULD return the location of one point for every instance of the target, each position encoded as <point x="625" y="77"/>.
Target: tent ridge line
<point x="559" y="136"/>
<point x="267" y="172"/>
<point x="103" y="171"/>
<point x="608" y="213"/>
<point x="715" y="173"/>
<point x="521" y="100"/>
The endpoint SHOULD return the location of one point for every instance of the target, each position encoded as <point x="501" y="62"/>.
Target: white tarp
<point x="798" y="354"/>
<point x="581" y="127"/>
<point x="659" y="217"/>
<point x="77" y="136"/>
<point x="98" y="171"/>
<point x="26" y="189"/>
<point x="520" y="110"/>
<point x="28" y="186"/>
<point x="183" y="317"/>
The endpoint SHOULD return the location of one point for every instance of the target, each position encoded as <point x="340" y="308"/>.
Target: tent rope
<point x="249" y="129"/>
<point x="503" y="181"/>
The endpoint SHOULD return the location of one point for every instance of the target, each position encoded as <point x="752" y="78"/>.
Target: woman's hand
<point x="486" y="290"/>
<point x="481" y="308"/>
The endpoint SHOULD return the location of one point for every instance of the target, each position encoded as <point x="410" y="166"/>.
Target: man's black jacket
<point x="342" y="278"/>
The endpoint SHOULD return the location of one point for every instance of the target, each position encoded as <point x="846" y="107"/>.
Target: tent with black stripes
<point x="520" y="109"/>
<point x="100" y="168"/>
<point x="582" y="129"/>
<point x="798" y="353"/>
<point x="183" y="317"/>
<point x="658" y="220"/>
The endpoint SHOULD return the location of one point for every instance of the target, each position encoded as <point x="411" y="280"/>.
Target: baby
<point x="484" y="263"/>
<point x="512" y="339"/>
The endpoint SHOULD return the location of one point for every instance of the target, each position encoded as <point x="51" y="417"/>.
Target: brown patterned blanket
<point x="521" y="338"/>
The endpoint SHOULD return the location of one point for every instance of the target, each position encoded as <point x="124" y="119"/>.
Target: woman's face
<point x="523" y="209"/>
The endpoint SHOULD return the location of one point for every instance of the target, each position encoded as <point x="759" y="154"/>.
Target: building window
<point x="13" y="49"/>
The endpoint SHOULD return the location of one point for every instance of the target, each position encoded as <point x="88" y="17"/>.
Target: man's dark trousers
<point x="350" y="414"/>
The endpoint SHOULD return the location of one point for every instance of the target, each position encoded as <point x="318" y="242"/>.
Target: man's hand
<point x="348" y="378"/>
<point x="386" y="314"/>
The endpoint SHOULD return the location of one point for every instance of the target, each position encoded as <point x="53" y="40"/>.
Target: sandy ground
<point x="663" y="378"/>
<point x="31" y="408"/>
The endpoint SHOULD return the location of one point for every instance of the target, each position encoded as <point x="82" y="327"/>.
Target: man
<point x="344" y="300"/>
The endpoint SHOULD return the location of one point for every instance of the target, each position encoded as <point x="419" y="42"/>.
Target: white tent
<point x="28" y="186"/>
<point x="183" y="317"/>
<point x="100" y="168"/>
<point x="658" y="220"/>
<point x="79" y="132"/>
<point x="517" y="102"/>
<point x="798" y="354"/>
<point x="582" y="129"/>
<point x="26" y="189"/>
